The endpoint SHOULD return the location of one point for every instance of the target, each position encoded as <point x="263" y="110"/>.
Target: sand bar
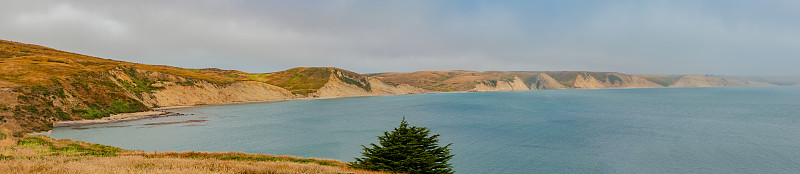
<point x="116" y="118"/>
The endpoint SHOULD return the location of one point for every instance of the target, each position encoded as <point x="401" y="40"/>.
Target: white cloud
<point x="66" y="15"/>
<point x="372" y="36"/>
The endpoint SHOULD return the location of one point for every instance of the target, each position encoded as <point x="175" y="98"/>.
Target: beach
<point x="117" y="118"/>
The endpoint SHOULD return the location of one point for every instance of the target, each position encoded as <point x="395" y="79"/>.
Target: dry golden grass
<point x="437" y="80"/>
<point x="26" y="65"/>
<point x="140" y="164"/>
<point x="303" y="80"/>
<point x="41" y="85"/>
<point x="39" y="158"/>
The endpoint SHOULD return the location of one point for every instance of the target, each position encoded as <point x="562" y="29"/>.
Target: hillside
<point x="41" y="154"/>
<point x="40" y="85"/>
<point x="548" y="80"/>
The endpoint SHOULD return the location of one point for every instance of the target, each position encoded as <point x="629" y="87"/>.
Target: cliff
<point x="711" y="81"/>
<point x="40" y="85"/>
<point x="175" y="90"/>
<point x="543" y="81"/>
<point x="515" y="84"/>
<point x="522" y="80"/>
<point x="703" y="81"/>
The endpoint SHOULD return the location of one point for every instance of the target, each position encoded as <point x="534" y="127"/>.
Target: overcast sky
<point x="729" y="37"/>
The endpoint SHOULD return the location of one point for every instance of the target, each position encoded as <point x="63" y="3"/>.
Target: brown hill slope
<point x="544" y="80"/>
<point x="305" y="80"/>
<point x="703" y="81"/>
<point x="41" y="154"/>
<point x="40" y="85"/>
<point x="513" y="80"/>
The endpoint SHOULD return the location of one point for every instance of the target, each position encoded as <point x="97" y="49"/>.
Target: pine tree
<point x="407" y="150"/>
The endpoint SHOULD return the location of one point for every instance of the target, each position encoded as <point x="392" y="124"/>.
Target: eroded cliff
<point x="40" y="85"/>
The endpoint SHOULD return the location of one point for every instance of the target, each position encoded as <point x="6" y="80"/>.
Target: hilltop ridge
<point x="40" y="85"/>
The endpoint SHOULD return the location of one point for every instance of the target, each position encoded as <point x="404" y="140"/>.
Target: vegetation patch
<point x="236" y="157"/>
<point x="186" y="83"/>
<point x="614" y="79"/>
<point x="663" y="80"/>
<point x="48" y="145"/>
<point x="33" y="141"/>
<point x="361" y="83"/>
<point x="138" y="85"/>
<point x="115" y="107"/>
<point x="144" y="165"/>
<point x="298" y="80"/>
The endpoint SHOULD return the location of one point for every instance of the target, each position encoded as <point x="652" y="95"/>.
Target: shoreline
<point x="165" y="111"/>
<point x="117" y="118"/>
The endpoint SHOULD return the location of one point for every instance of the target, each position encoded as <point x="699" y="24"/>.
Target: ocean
<point x="655" y="130"/>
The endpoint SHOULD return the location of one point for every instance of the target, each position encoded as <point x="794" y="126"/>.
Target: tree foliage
<point x="406" y="149"/>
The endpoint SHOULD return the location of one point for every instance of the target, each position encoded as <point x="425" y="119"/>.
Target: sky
<point x="732" y="37"/>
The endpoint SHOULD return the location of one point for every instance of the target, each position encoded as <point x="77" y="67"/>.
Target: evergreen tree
<point x="407" y="150"/>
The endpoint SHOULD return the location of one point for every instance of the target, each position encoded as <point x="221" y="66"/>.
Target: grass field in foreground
<point x="42" y="154"/>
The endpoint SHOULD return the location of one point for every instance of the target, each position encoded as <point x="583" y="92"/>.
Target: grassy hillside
<point x="30" y="65"/>
<point x="40" y="85"/>
<point x="41" y="154"/>
<point x="305" y="80"/>
<point x="443" y="80"/>
<point x="663" y="80"/>
<point x="466" y="80"/>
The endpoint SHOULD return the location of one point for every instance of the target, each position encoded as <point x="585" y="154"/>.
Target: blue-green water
<point x="664" y="130"/>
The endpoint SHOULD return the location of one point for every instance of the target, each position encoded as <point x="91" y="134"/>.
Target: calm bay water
<point x="663" y="130"/>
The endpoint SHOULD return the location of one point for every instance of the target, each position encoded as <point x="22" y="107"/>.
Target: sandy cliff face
<point x="698" y="81"/>
<point x="8" y="96"/>
<point x="516" y="85"/>
<point x="612" y="80"/>
<point x="587" y="82"/>
<point x="379" y="87"/>
<point x="711" y="81"/>
<point x="337" y="88"/>
<point x="178" y="91"/>
<point x="628" y="81"/>
<point x="545" y="82"/>
<point x="204" y="93"/>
